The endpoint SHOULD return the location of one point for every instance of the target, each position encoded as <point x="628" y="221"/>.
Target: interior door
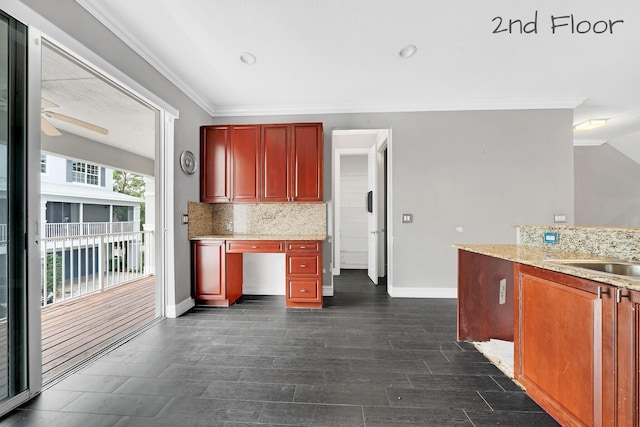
<point x="372" y="238"/>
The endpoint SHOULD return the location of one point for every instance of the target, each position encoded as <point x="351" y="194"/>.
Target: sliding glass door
<point x="13" y="304"/>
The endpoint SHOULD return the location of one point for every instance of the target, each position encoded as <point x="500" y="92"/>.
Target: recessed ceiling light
<point x="408" y="51"/>
<point x="248" y="58"/>
<point x="590" y="124"/>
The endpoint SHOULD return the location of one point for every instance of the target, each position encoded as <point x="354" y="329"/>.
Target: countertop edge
<point x="539" y="256"/>
<point x="316" y="237"/>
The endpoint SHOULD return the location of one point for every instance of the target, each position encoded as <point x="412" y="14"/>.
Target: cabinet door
<point x="558" y="344"/>
<point x="627" y="358"/>
<point x="209" y="270"/>
<point x="275" y="165"/>
<point x="306" y="162"/>
<point x="214" y="164"/>
<point x="245" y="163"/>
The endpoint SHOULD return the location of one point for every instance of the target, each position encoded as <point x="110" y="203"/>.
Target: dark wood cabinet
<point x="621" y="357"/>
<point x="276" y="167"/>
<point x="245" y="164"/>
<point x="217" y="270"/>
<point x="485" y="297"/>
<point x="304" y="274"/>
<point x="558" y="344"/>
<point x="576" y="341"/>
<point x="262" y="163"/>
<point x="306" y="162"/>
<point x="215" y="161"/>
<point x="217" y="275"/>
<point x="230" y="164"/>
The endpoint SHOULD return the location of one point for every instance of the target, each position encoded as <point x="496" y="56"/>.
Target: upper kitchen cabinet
<point x="276" y="167"/>
<point x="215" y="158"/>
<point x="245" y="163"/>
<point x="306" y="162"/>
<point x="230" y="159"/>
<point x="262" y="163"/>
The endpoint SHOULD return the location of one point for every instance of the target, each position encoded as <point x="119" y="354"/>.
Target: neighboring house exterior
<point x="77" y="201"/>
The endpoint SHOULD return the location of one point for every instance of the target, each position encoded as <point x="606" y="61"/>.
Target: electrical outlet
<point x="185" y="218"/>
<point x="559" y="218"/>
<point x="407" y="218"/>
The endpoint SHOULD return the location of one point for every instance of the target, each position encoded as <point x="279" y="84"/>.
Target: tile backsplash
<point x="261" y="218"/>
<point x="611" y="242"/>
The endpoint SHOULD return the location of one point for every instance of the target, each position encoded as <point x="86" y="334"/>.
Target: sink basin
<point x="618" y="268"/>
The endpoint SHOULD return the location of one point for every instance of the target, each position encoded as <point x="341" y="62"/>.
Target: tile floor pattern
<point x="363" y="360"/>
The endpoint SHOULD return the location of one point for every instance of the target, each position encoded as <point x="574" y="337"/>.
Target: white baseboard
<point x="403" y="292"/>
<point x="262" y="289"/>
<point x="179" y="309"/>
<point x="327" y="291"/>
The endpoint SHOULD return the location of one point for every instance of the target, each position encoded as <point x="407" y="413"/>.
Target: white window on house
<point x="85" y="173"/>
<point x="43" y="163"/>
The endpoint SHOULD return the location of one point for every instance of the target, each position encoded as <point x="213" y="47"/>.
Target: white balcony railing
<point x="80" y="264"/>
<point x="69" y="229"/>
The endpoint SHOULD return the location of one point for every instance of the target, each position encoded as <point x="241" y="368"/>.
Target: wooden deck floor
<point x="75" y="330"/>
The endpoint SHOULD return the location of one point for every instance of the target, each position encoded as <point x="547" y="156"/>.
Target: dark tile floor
<point x="363" y="360"/>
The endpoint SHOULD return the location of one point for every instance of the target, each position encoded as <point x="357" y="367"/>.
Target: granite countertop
<point x="540" y="257"/>
<point x="240" y="236"/>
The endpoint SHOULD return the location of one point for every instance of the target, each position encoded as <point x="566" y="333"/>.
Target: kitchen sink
<point x="612" y="267"/>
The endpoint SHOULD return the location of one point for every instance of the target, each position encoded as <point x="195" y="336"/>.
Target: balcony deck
<point x="77" y="329"/>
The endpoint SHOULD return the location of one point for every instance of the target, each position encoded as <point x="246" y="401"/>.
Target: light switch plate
<point x="407" y="218"/>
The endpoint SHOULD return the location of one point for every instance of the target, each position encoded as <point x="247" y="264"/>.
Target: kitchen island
<point x="576" y="332"/>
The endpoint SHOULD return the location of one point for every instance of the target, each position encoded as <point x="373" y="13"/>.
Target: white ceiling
<point x="319" y="56"/>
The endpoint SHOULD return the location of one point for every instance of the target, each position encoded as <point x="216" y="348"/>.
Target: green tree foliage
<point x="131" y="184"/>
<point x="128" y="183"/>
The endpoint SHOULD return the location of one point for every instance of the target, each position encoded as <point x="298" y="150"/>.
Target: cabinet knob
<point x="254" y="247"/>
<point x="303" y="290"/>
<point x="303" y="247"/>
<point x="303" y="265"/>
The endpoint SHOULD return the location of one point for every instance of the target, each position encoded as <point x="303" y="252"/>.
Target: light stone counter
<point x="537" y="256"/>
<point x="239" y="236"/>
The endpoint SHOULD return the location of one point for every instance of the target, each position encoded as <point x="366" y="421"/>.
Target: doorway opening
<point x="97" y="212"/>
<point x="361" y="202"/>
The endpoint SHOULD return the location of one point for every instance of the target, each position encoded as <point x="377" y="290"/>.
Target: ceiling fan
<point x="50" y="130"/>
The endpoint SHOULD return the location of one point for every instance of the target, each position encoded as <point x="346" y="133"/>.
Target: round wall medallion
<point x="188" y="162"/>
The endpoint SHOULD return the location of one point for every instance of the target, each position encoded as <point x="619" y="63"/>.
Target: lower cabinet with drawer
<point x="217" y="270"/>
<point x="304" y="274"/>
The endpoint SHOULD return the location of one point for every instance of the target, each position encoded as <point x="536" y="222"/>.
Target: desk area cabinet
<point x="217" y="270"/>
<point x="261" y="163"/>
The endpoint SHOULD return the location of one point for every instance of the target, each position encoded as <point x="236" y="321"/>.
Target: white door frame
<point x="38" y="26"/>
<point x="382" y="145"/>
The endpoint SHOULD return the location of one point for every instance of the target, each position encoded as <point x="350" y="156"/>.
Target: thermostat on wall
<point x="550" y="238"/>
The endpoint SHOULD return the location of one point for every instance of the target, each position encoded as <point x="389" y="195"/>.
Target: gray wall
<point x="607" y="191"/>
<point x="79" y="24"/>
<point x="484" y="171"/>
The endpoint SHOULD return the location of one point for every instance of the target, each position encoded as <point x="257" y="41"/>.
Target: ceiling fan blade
<point x="47" y="128"/>
<point x="45" y="103"/>
<point x="76" y="122"/>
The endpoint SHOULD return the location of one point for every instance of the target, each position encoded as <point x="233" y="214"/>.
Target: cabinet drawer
<point x="308" y="265"/>
<point x="240" y="246"/>
<point x="303" y="290"/>
<point x="303" y="246"/>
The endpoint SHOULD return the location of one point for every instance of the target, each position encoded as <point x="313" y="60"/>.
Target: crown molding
<point x="103" y="13"/>
<point x="588" y="142"/>
<point x="468" y="105"/>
